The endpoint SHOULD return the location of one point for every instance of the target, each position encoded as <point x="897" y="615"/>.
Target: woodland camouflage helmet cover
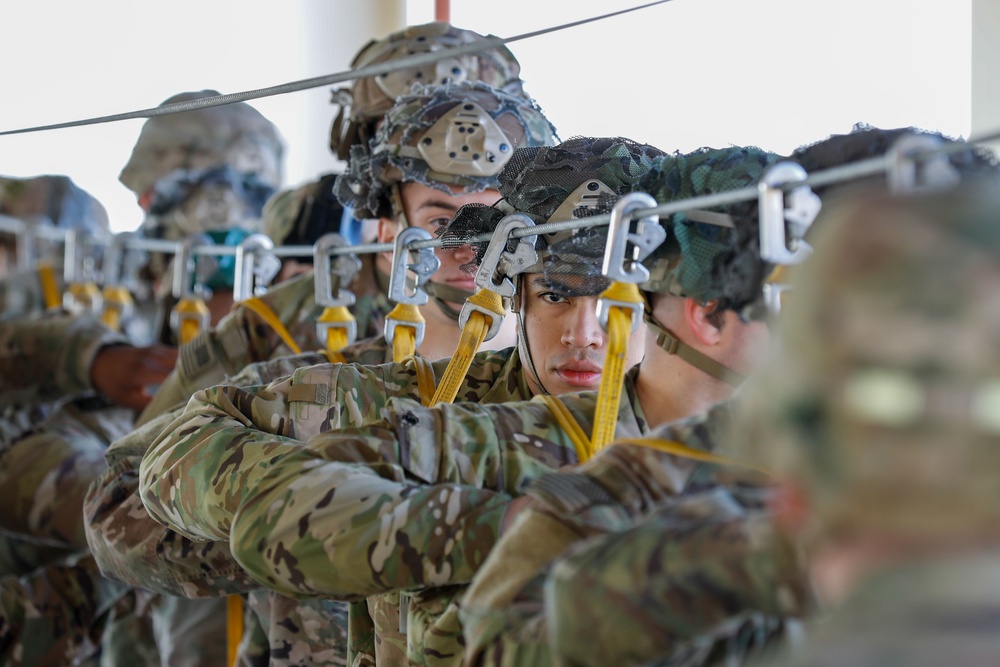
<point x="456" y="135"/>
<point x="581" y="177"/>
<point x="710" y="254"/>
<point x="882" y="399"/>
<point x="369" y="98"/>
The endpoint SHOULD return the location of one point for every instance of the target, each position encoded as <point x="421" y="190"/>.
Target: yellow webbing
<point x="568" y="424"/>
<point x="255" y="305"/>
<point x="116" y="300"/>
<point x="50" y="291"/>
<point x="612" y="378"/>
<point x="234" y="628"/>
<point x="678" y="449"/>
<point x="473" y="334"/>
<point x="335" y="357"/>
<point x="84" y="294"/>
<point x="404" y="342"/>
<point x="190" y="313"/>
<point x="425" y="379"/>
<point x="336" y="337"/>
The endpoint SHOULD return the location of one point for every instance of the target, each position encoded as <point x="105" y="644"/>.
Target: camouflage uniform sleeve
<point x="203" y="464"/>
<point x="52" y="354"/>
<point x="422" y="495"/>
<point x="676" y="585"/>
<point x="44" y="475"/>
<point x="131" y="546"/>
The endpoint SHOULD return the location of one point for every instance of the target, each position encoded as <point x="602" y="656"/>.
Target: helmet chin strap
<point x="670" y="343"/>
<point x="522" y="336"/>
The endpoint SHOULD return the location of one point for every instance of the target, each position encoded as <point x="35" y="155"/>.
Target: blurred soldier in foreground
<point x="882" y="413"/>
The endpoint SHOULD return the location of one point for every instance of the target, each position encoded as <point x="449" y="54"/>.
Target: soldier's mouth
<point x="580" y="375"/>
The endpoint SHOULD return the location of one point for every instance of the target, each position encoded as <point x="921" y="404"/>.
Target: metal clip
<point x="499" y="263"/>
<point x="802" y="207"/>
<point x="82" y="293"/>
<point x="423" y="267"/>
<point x="915" y="166"/>
<point x="186" y="268"/>
<point x="253" y="270"/>
<point x="344" y="267"/>
<point x="622" y="265"/>
<point x="619" y="265"/>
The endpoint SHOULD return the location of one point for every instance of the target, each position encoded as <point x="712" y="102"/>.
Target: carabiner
<point x="802" y="207"/>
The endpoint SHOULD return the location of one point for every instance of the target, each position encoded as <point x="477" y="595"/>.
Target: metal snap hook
<point x="253" y="271"/>
<point x="798" y="210"/>
<point x="424" y="265"/>
<point x="621" y="264"/>
<point x="344" y="267"/>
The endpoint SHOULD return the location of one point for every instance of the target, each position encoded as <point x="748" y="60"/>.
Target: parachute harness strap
<point x="483" y="312"/>
<point x="620" y="306"/>
<point x="256" y="305"/>
<point x="50" y="290"/>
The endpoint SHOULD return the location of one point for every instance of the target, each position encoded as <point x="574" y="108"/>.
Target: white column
<point x="985" y="69"/>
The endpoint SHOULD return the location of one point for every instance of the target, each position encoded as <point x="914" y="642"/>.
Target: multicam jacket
<point x="409" y="506"/>
<point x="325" y="396"/>
<point x="243" y="337"/>
<point x="130" y="546"/>
<point x="637" y="564"/>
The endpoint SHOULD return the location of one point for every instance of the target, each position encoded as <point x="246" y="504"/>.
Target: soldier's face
<point x="430" y="209"/>
<point x="566" y="342"/>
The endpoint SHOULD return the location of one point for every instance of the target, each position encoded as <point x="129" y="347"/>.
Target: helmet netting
<point x="366" y="184"/>
<point x="536" y="181"/>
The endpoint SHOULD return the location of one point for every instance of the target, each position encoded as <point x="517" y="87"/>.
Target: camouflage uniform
<point x="884" y="416"/>
<point x="377" y="494"/>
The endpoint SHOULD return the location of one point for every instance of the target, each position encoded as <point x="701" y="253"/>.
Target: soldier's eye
<point x="552" y="297"/>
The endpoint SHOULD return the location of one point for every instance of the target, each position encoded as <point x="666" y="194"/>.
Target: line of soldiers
<point x="598" y="444"/>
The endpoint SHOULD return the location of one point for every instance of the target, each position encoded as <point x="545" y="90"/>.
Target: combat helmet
<point x="233" y="134"/>
<point x="369" y="98"/>
<point x="579" y="178"/>
<point x="458" y="135"/>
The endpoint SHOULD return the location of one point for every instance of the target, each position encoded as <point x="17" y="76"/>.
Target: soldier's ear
<point x="388" y="228"/>
<point x="702" y="322"/>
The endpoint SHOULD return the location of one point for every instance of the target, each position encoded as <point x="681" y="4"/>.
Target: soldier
<point x="701" y="581"/>
<point x="883" y="418"/>
<point x="520" y="122"/>
<point x="312" y="210"/>
<point x="426" y="546"/>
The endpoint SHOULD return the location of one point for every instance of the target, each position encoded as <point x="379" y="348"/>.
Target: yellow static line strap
<point x="335" y="357"/>
<point x="85" y="295"/>
<point x="190" y="313"/>
<point x="50" y="291"/>
<point x="473" y="334"/>
<point x="273" y="321"/>
<point x="117" y="300"/>
<point x="568" y="424"/>
<point x="234" y="628"/>
<point x="613" y="376"/>
<point x="404" y="340"/>
<point x="336" y="336"/>
<point x="425" y="379"/>
<point x="678" y="449"/>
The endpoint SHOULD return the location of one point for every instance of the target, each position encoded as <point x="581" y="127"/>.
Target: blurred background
<point x="689" y="73"/>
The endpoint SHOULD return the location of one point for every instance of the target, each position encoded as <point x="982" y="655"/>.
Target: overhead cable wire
<point x="407" y="62"/>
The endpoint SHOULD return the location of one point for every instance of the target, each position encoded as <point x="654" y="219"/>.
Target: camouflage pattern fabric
<point x="680" y="553"/>
<point x="53" y="200"/>
<point x="403" y="149"/>
<point x="417" y="497"/>
<point x="131" y="547"/>
<point x="48" y="357"/>
<point x="233" y="134"/>
<point x="371" y="97"/>
<point x="260" y="423"/>
<point x="58" y="615"/>
<point x="243" y="337"/>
